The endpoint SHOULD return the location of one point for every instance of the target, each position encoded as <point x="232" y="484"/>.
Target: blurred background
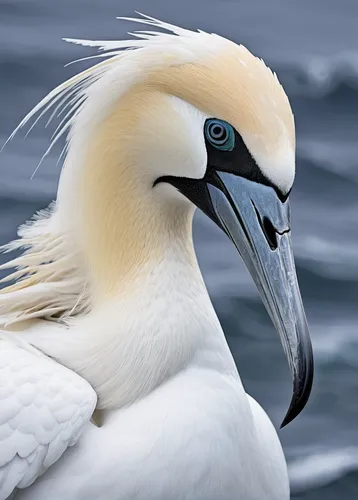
<point x="313" y="46"/>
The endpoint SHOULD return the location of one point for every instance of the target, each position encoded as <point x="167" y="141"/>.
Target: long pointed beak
<point x="258" y="223"/>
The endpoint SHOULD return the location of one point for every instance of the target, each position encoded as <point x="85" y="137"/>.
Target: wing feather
<point x="44" y="407"/>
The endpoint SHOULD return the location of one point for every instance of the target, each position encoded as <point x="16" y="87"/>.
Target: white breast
<point x="198" y="437"/>
<point x="194" y="434"/>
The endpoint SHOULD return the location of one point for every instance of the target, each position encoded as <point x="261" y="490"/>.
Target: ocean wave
<point x="338" y="157"/>
<point x="320" y="76"/>
<point x="322" y="468"/>
<point x="335" y="341"/>
<point x="328" y="258"/>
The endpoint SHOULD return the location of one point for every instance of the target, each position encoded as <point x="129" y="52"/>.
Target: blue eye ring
<point x="220" y="134"/>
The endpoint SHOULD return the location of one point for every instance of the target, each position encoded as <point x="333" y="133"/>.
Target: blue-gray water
<point x="313" y="46"/>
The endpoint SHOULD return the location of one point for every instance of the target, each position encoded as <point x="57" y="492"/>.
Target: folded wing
<point x="44" y="407"/>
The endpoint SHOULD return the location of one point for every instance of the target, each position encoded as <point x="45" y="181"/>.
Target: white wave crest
<point x="322" y="468"/>
<point x="319" y="76"/>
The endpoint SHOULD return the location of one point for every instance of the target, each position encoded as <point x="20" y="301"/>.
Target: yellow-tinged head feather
<point x="210" y="73"/>
<point x="221" y="78"/>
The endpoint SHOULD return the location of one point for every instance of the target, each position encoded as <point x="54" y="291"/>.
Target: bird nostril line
<point x="270" y="233"/>
<point x="267" y="228"/>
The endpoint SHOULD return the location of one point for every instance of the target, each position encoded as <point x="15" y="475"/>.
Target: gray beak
<point x="258" y="223"/>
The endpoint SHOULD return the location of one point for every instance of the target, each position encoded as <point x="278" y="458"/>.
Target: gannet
<point x="116" y="378"/>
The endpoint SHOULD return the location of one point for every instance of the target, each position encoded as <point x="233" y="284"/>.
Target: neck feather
<point x="144" y="336"/>
<point x="107" y="227"/>
<point x="117" y="220"/>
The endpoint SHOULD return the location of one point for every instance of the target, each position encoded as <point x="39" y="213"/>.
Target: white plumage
<point x="44" y="409"/>
<point x="108" y="308"/>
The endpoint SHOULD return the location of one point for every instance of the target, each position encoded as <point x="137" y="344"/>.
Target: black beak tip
<point x="301" y="393"/>
<point x="296" y="406"/>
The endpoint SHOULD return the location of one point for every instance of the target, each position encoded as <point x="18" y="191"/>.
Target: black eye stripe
<point x="239" y="161"/>
<point x="235" y="160"/>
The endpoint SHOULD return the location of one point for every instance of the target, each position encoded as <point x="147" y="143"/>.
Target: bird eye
<point x="220" y="134"/>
